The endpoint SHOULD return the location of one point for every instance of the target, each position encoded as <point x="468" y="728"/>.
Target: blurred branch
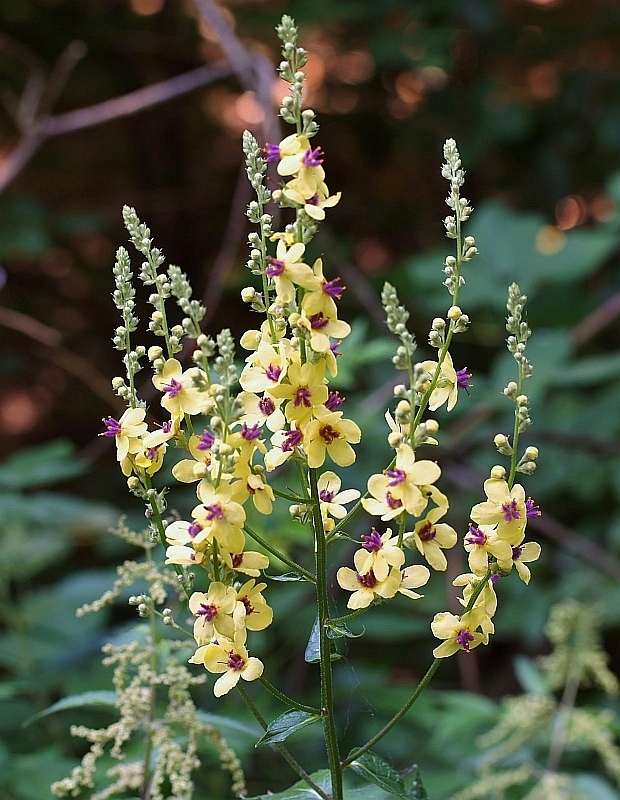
<point x="75" y="365"/>
<point x="45" y="126"/>
<point x="598" y="319"/>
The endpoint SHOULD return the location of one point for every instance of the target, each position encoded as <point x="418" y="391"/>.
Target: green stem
<point x="325" y="661"/>
<point x="560" y="723"/>
<point x="515" y="433"/>
<point x="159" y="525"/>
<point x="284" y="698"/>
<point x="274" y="552"/>
<point x="396" y="718"/>
<point x="290" y="760"/>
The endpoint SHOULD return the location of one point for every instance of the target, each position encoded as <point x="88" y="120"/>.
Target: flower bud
<point x="155" y="352"/>
<point x="248" y="294"/>
<point x="117" y="382"/>
<point x="498" y="473"/>
<point x="531" y="453"/>
<point x="432" y="426"/>
<point x="500" y="440"/>
<point x="395" y="439"/>
<point x="454" y="312"/>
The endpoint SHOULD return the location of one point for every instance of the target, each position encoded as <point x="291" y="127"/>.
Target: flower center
<point x="237" y="560"/>
<point x="333" y="288"/>
<point x="397" y="476"/>
<point x="194" y="529"/>
<point x="266" y="405"/>
<point x="292" y="440"/>
<point x="517" y="552"/>
<point x="272" y="152"/>
<point x="392" y="502"/>
<point x="250" y="433"/>
<point x="173" y="389"/>
<point x="275" y="268"/>
<point x="273" y="372"/>
<point x="463" y="638"/>
<point x="208" y="612"/>
<point x="113" y="427"/>
<point x="368" y="581"/>
<point x="531" y="509"/>
<point x="214" y="511"/>
<point x="372" y="541"/>
<point x="313" y="158"/>
<point x="462" y="379"/>
<point x="235" y="661"/>
<point x="511" y="511"/>
<point x="249" y="608"/>
<point x="302" y="397"/>
<point x="326" y="496"/>
<point x="328" y="434"/>
<point x="334" y="401"/>
<point x="318" y="321"/>
<point x="476" y="536"/>
<point x="427" y="532"/>
<point x="205" y="441"/>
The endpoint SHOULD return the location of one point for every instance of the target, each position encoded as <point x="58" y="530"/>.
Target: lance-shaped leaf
<point x="100" y="698"/>
<point x="286" y="724"/>
<point x="313" y="649"/>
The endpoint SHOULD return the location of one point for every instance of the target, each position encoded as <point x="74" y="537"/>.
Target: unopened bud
<point x="498" y="473"/>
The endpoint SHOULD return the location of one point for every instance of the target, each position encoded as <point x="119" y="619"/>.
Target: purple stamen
<point x="275" y="268"/>
<point x="463" y="638"/>
<point x="292" y="439"/>
<point x="397" y="476"/>
<point x="517" y="552"/>
<point x="326" y="496"/>
<point x="249" y="608"/>
<point x="273" y="372"/>
<point x="313" y="158"/>
<point x="302" y="397"/>
<point x="208" y="612"/>
<point x="495" y="578"/>
<point x="272" y="152"/>
<point x="151" y="453"/>
<point x="235" y="661"/>
<point x="511" y="511"/>
<point x="476" y="536"/>
<point x="318" y="321"/>
<point x="194" y="529"/>
<point x="531" y="509"/>
<point x="250" y="433"/>
<point x="368" y="580"/>
<point x="328" y="434"/>
<point x="334" y="401"/>
<point x="392" y="502"/>
<point x="167" y="426"/>
<point x="173" y="389"/>
<point x="333" y="288"/>
<point x="372" y="541"/>
<point x="214" y="511"/>
<point x="205" y="441"/>
<point x="462" y="379"/>
<point x="113" y="427"/>
<point x="266" y="406"/>
<point x="427" y="532"/>
<point x="237" y="560"/>
<point x="314" y="200"/>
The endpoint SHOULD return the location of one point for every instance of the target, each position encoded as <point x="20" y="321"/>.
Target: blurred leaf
<point x="47" y="463"/>
<point x="98" y="698"/>
<point x="594" y="787"/>
<point x="287" y="577"/>
<point x="530" y="677"/>
<point x="287" y="724"/>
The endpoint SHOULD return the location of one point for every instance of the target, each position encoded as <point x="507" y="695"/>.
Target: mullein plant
<point x="237" y="428"/>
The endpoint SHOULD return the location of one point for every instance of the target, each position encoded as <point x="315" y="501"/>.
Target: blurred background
<point x="530" y="89"/>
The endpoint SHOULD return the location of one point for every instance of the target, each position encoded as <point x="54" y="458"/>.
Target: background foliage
<point x="530" y="89"/>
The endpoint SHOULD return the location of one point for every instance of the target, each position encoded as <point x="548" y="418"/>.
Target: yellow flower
<point x="521" y="554"/>
<point x="321" y="329"/>
<point x="265" y="368"/>
<point x="231" y="658"/>
<point x="220" y="515"/>
<point x="330" y="434"/>
<point x="487" y="597"/>
<point x="406" y="487"/>
<point x="252" y="484"/>
<point x="482" y="542"/>
<point x="332" y="500"/>
<point x="188" y="470"/>
<point x="179" y="394"/>
<point x="287" y="271"/>
<point x="251" y="610"/>
<point x="290" y="153"/>
<point x="304" y="391"/>
<point x="446" y="389"/>
<point x="248" y="562"/>
<point x="413" y="578"/>
<point x="504" y="508"/>
<point x="213" y="612"/>
<point x="379" y="553"/>
<point x="461" y="633"/>
<point x="263" y="410"/>
<point x="429" y="537"/>
<point x="366" y="587"/>
<point x="127" y="431"/>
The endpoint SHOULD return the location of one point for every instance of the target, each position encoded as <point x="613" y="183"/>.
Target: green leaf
<point x="377" y="770"/>
<point x="98" y="698"/>
<point x="47" y="463"/>
<point x="300" y="790"/>
<point x="336" y="630"/>
<point x="418" y="792"/>
<point x="287" y="724"/>
<point x="313" y="649"/>
<point x="287" y="576"/>
<point x="530" y="677"/>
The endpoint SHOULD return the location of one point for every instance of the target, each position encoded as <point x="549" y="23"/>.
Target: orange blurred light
<point x="19" y="412"/>
<point x="543" y="81"/>
<point x="550" y="240"/>
<point x="570" y="212"/>
<point x="372" y="256"/>
<point x="602" y="208"/>
<point x="355" y="67"/>
<point x="146" y="7"/>
<point x="410" y="88"/>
